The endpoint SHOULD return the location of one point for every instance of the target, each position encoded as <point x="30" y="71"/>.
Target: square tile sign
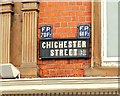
<point x="84" y="31"/>
<point x="46" y="32"/>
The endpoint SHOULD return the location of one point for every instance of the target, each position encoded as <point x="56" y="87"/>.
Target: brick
<point x="66" y="13"/>
<point x="43" y="67"/>
<point x="80" y="14"/>
<point x="72" y="14"/>
<point x="64" y="35"/>
<point x="54" y="9"/>
<point x="64" y="24"/>
<point x="45" y="62"/>
<point x="81" y="72"/>
<point x="87" y="13"/>
<point x="39" y="62"/>
<point x="75" y="18"/>
<point x="86" y="3"/>
<point x="82" y="8"/>
<point x="43" y="4"/>
<point x="60" y="8"/>
<point x="82" y="19"/>
<point x="52" y="3"/>
<point x="56" y="35"/>
<point x="60" y="29"/>
<point x="88" y="61"/>
<point x="42" y="15"/>
<point x="73" y="30"/>
<point x="67" y="30"/>
<point x="79" y="3"/>
<point x="72" y="3"/>
<point x="87" y="18"/>
<point x="57" y="24"/>
<point x="81" y="61"/>
<point x="74" y="61"/>
<point x="72" y="24"/>
<point x="54" y="30"/>
<point x="45" y="72"/>
<point x="41" y="73"/>
<point x="64" y="3"/>
<point x="42" y="9"/>
<point x="67" y="8"/>
<point x="72" y="35"/>
<point x="59" y="61"/>
<point x="60" y="19"/>
<point x="75" y="8"/>
<point x="40" y="19"/>
<point x="50" y="14"/>
<point x="52" y="71"/>
<point x="46" y="9"/>
<point x="65" y="61"/>
<point x="88" y="8"/>
<point x="57" y="14"/>
<point x="52" y="19"/>
<point x="79" y="66"/>
<point x="70" y="66"/>
<point x="66" y="19"/>
<point x="60" y="71"/>
<point x="67" y="71"/>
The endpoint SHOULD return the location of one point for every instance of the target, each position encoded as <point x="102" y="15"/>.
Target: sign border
<point x="57" y="39"/>
<point x="51" y="31"/>
<point x="84" y="25"/>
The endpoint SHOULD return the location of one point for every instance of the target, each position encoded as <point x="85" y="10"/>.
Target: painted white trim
<point x="106" y="61"/>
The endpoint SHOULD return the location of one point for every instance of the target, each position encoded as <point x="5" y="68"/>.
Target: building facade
<point x="42" y="39"/>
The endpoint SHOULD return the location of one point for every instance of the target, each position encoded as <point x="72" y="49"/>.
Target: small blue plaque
<point x="84" y="31"/>
<point x="46" y="32"/>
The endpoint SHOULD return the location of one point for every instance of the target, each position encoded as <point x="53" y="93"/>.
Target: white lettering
<point x="61" y="52"/>
<point x="48" y="44"/>
<point x="70" y="44"/>
<point x="65" y="44"/>
<point x="84" y="52"/>
<point x="74" y="44"/>
<point x="66" y="52"/>
<point x="79" y="44"/>
<point x="81" y="27"/>
<point x="81" y="33"/>
<point x="61" y="44"/>
<point x="56" y="44"/>
<point x="75" y="52"/>
<point x="70" y="52"/>
<point x="47" y="29"/>
<point x="51" y="52"/>
<point x="43" y="45"/>
<point x="52" y="44"/>
<point x="83" y="43"/>
<point x="86" y="27"/>
<point x="43" y="28"/>
<point x="56" y="52"/>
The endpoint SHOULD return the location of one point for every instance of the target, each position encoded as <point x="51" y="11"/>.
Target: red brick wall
<point x="64" y="18"/>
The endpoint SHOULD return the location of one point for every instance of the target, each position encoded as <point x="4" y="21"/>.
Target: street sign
<point x="64" y="48"/>
<point x="46" y="32"/>
<point x="84" y="31"/>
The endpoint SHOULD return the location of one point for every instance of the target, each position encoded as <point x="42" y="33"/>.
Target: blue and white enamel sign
<point x="46" y="32"/>
<point x="84" y="31"/>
